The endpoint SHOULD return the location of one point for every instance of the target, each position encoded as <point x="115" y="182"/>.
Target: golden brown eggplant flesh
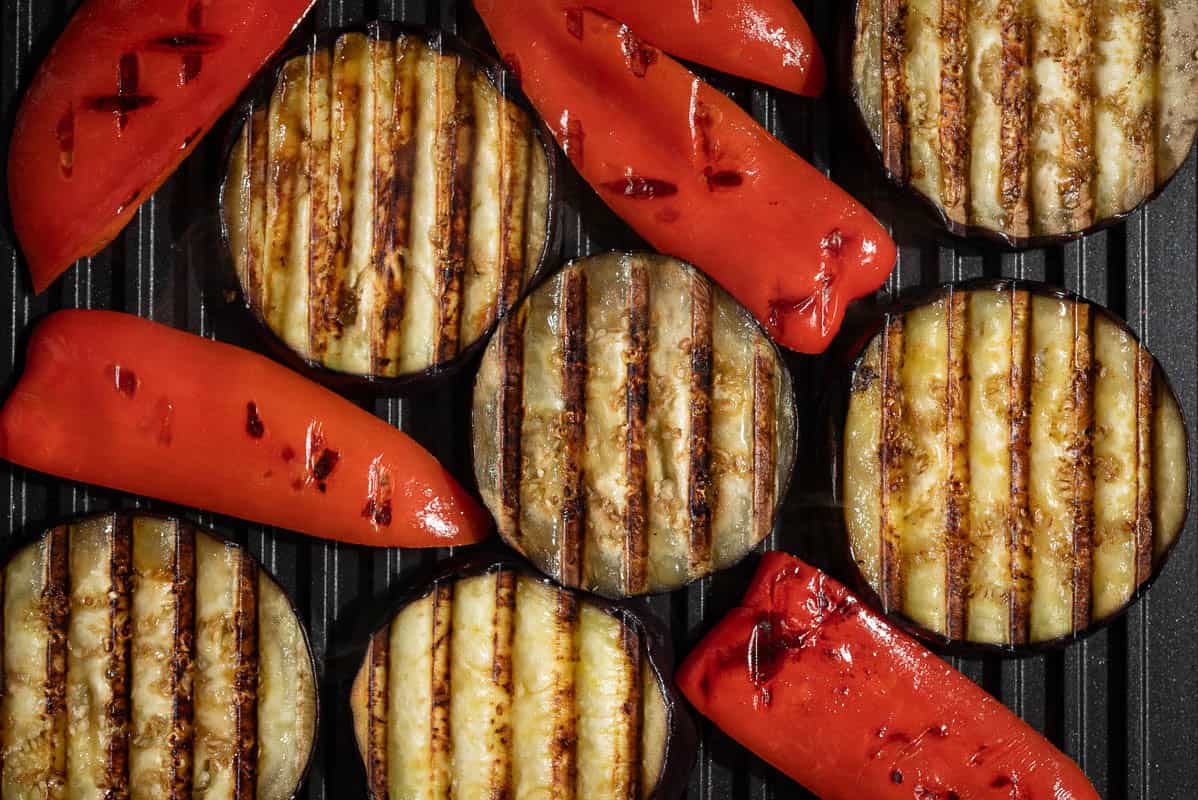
<point x="490" y="681"/>
<point x="1028" y="121"/>
<point x="1014" y="465"/>
<point x="634" y="429"/>
<point x="143" y="658"/>
<point x="385" y="203"/>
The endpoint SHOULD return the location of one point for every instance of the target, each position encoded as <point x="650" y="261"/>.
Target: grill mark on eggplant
<point x="636" y="513"/>
<point x="958" y="555"/>
<point x="513" y="200"/>
<point x="454" y="227"/>
<point x="1144" y="527"/>
<point x="440" y="742"/>
<point x="1083" y="464"/>
<point x="245" y="680"/>
<point x="284" y="176"/>
<point x="322" y="226"/>
<point x="574" y="377"/>
<point x="763" y="444"/>
<point x="1020" y="443"/>
<point x="891" y="457"/>
<point x="633" y="707"/>
<point x="954" y="122"/>
<point x="120" y="638"/>
<point x="257" y="134"/>
<point x="894" y="92"/>
<point x="563" y="753"/>
<point x="394" y="160"/>
<point x="182" y="733"/>
<point x="699" y="486"/>
<point x="511" y="420"/>
<point x="56" y="601"/>
<point x="377" y="702"/>
<point x="503" y="628"/>
<point x="1014" y="147"/>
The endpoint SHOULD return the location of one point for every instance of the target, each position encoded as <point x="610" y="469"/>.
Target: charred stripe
<point x="460" y="157"/>
<point x="513" y="191"/>
<point x="636" y="514"/>
<point x="323" y="224"/>
<point x="1014" y="149"/>
<point x="1145" y="495"/>
<point x="440" y="741"/>
<point x="563" y="756"/>
<point x="1083" y="464"/>
<point x="377" y="702"/>
<point x="574" y="377"/>
<point x="891" y="460"/>
<point x="954" y="113"/>
<point x="503" y="626"/>
<point x="511" y="420"/>
<point x="182" y="663"/>
<point x="120" y="637"/>
<point x="699" y="488"/>
<point x="56" y="600"/>
<point x="245" y="687"/>
<point x="958" y="554"/>
<point x="633" y="707"/>
<point x="1019" y="541"/>
<point x="894" y="91"/>
<point x="257" y="134"/>
<point x="763" y="443"/>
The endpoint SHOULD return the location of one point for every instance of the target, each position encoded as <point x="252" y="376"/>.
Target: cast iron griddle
<point x="1123" y="703"/>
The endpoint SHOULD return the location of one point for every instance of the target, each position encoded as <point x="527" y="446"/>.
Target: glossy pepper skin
<point x="115" y="400"/>
<point x="126" y="92"/>
<point x="693" y="173"/>
<point x="829" y="692"/>
<point x="763" y="40"/>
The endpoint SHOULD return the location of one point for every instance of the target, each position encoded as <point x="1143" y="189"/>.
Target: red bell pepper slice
<point x="762" y="40"/>
<point x="829" y="692"/>
<point x="126" y="92"/>
<point x="691" y="171"/>
<point x="115" y="400"/>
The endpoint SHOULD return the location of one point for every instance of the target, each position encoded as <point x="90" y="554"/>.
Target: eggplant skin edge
<point x="840" y="393"/>
<point x="489" y="69"/>
<point x="193" y="708"/>
<point x="866" y="119"/>
<point x="681" y="736"/>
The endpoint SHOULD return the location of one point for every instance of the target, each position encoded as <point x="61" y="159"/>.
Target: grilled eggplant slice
<point x="495" y="682"/>
<point x="387" y="203"/>
<point x="1014" y="466"/>
<point x="1028" y="121"/>
<point x="145" y="658"/>
<point x="633" y="428"/>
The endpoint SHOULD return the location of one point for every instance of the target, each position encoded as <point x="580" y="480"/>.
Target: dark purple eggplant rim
<point x="929" y="209"/>
<point x="681" y="743"/>
<point x="794" y="405"/>
<point x="259" y="91"/>
<point x="123" y="523"/>
<point x="839" y="410"/>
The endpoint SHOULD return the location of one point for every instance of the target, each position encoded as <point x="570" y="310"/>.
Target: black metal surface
<point x="1123" y="702"/>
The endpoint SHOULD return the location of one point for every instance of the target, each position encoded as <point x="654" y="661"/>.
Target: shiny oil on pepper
<point x="826" y="690"/>
<point x="122" y="402"/>
<point x="126" y="92"/>
<point x="685" y="166"/>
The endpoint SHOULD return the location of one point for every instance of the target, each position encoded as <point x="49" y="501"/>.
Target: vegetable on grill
<point x="125" y="94"/>
<point x="142" y="654"/>
<point x="1014" y="465"/>
<point x="1028" y="121"/>
<point x="497" y="683"/>
<point x="817" y="684"/>
<point x="119" y="401"/>
<point x="634" y="429"/>
<point x="687" y="167"/>
<point x="386" y="203"/>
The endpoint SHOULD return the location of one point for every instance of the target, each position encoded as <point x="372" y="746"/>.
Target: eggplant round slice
<point x="1028" y="121"/>
<point x="495" y="682"/>
<point x="143" y="656"/>
<point x="1014" y="467"/>
<point x="386" y="204"/>
<point x="634" y="429"/>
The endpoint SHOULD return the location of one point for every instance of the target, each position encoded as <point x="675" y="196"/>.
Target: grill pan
<point x="1122" y="702"/>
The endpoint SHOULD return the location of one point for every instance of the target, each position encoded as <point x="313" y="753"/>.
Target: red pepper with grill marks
<point x="683" y="164"/>
<point x="118" y="401"/>
<point x="825" y="689"/>
<point x="126" y="92"/>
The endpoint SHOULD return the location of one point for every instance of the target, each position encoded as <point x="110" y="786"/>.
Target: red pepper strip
<point x="127" y="91"/>
<point x="829" y="692"/>
<point x="693" y="173"/>
<point x="762" y="40"/>
<point x="114" y="400"/>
